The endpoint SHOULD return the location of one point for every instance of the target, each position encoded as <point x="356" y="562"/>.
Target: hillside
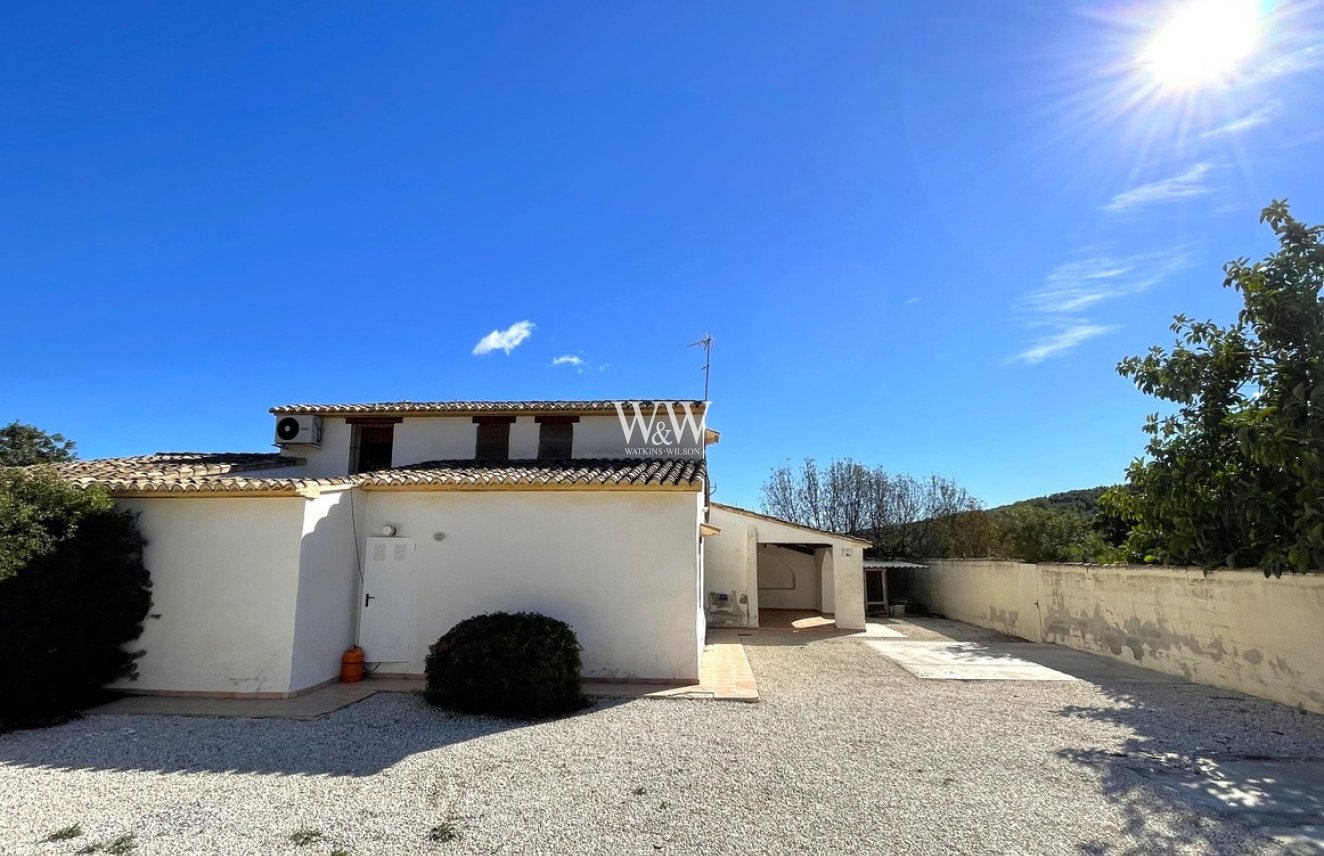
<point x="1084" y="501"/>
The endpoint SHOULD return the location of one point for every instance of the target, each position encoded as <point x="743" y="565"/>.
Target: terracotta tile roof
<point x="404" y="408"/>
<point x="189" y="472"/>
<point x="226" y="473"/>
<point x="583" y="472"/>
<point x="175" y="464"/>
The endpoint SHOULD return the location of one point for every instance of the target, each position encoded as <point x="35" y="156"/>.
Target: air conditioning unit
<point x="299" y="431"/>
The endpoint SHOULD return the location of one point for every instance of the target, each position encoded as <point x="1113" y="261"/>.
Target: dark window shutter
<point x="493" y="441"/>
<point x="372" y="445"/>
<point x="556" y="439"/>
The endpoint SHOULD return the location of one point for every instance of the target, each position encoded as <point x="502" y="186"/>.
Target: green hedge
<point x="73" y="592"/>
<point x="520" y="665"/>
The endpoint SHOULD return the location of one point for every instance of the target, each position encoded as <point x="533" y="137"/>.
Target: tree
<point x="38" y="510"/>
<point x="23" y="445"/>
<point x="900" y="514"/>
<point x="73" y="592"/>
<point x="1235" y="476"/>
<point x="1032" y="533"/>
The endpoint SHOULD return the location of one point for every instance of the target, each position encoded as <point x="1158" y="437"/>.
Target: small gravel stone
<point x="845" y="753"/>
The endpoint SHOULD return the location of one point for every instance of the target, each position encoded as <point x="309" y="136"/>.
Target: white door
<point x="388" y="581"/>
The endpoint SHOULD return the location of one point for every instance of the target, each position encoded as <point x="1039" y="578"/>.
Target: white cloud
<point x="568" y="360"/>
<point x="1061" y="342"/>
<point x="1071" y="289"/>
<point x="1303" y="59"/>
<point x="1245" y="123"/>
<point x="504" y="340"/>
<point x="1185" y="186"/>
<point x="912" y="301"/>
<point x="1075" y="286"/>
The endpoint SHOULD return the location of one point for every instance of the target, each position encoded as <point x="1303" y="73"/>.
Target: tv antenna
<point x="705" y="342"/>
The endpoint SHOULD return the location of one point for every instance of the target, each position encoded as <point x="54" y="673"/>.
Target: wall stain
<point x="727" y="609"/>
<point x="1004" y="620"/>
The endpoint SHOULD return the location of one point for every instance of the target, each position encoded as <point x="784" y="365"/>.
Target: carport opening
<point x="796" y="587"/>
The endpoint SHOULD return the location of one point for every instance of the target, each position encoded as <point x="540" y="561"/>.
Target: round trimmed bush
<point x="521" y="665"/>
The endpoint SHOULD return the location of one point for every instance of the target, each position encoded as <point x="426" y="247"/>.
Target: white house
<point x="386" y="524"/>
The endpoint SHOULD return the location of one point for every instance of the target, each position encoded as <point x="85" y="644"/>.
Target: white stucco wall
<point x="621" y="567"/>
<point x="825" y="563"/>
<point x="432" y="438"/>
<point x="329" y="459"/>
<point x="417" y="439"/>
<point x="730" y="568"/>
<point x="775" y="565"/>
<point x="328" y="593"/>
<point x="1232" y="629"/>
<point x="225" y="575"/>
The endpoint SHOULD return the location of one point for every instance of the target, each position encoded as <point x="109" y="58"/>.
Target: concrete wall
<point x="225" y="577"/>
<point x="621" y="567"/>
<point x="990" y="593"/>
<point x="1232" y="629"/>
<point x="328" y="594"/>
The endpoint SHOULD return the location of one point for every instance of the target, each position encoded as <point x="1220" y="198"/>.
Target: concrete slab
<point x="311" y="705"/>
<point x="1284" y="799"/>
<point x="964" y="661"/>
<point x="1094" y="668"/>
<point x="879" y="630"/>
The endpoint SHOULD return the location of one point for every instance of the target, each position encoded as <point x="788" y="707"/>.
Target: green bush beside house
<point x="73" y="593"/>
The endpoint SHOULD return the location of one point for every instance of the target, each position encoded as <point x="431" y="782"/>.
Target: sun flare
<point x="1202" y="42"/>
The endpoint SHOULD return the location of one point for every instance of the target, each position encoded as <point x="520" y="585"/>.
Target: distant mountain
<point x="1084" y="501"/>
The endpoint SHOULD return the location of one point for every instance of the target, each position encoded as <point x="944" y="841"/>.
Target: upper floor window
<point x="371" y="444"/>
<point x="493" y="443"/>
<point x="556" y="436"/>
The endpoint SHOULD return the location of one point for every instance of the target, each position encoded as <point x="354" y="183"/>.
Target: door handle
<point x="367" y="597"/>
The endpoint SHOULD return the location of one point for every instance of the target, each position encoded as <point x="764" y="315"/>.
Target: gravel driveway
<point x="847" y="753"/>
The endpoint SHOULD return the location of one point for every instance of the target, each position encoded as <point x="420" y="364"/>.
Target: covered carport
<point x="760" y="563"/>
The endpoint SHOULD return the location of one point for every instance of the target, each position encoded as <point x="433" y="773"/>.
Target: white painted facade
<point x="327" y="604"/>
<point x="621" y="567"/>
<point x="745" y="571"/>
<point x="225" y="579"/>
<point x="418" y="439"/>
<point x="260" y="595"/>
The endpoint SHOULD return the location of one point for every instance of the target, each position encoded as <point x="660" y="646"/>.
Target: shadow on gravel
<point x="1225" y="768"/>
<point x="360" y="740"/>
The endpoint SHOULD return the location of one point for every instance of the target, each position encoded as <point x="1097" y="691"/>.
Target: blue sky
<point x="921" y="235"/>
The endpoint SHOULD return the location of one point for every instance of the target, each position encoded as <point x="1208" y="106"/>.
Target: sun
<point x="1202" y="42"/>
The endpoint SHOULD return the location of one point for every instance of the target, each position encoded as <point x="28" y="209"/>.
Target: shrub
<point x="521" y="665"/>
<point x="74" y="591"/>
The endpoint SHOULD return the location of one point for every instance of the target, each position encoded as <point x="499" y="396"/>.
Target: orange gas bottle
<point x="351" y="665"/>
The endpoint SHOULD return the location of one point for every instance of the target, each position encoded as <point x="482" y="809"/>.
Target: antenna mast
<point x="705" y="342"/>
